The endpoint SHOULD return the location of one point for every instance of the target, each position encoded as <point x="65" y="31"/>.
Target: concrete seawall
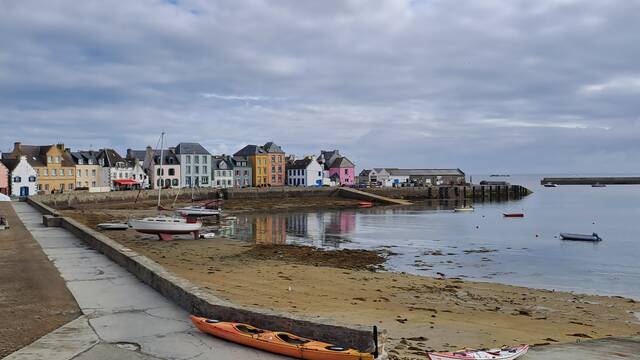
<point x="198" y="301"/>
<point x="591" y="180"/>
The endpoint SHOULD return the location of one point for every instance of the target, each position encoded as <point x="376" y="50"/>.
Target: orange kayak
<point x="277" y="342"/>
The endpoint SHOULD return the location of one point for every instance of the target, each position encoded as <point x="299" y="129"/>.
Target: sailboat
<point x="166" y="226"/>
<point x="197" y="210"/>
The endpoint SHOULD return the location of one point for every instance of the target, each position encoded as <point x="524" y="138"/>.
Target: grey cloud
<point x="479" y="85"/>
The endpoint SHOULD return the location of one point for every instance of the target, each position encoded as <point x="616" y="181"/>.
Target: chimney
<point x="129" y="154"/>
<point x="17" y="147"/>
<point x="60" y="147"/>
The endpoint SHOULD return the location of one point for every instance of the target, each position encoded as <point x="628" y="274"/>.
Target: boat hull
<point x="463" y="210"/>
<point x="581" y="237"/>
<point x="514" y="215"/>
<point x="497" y="354"/>
<point x="272" y="341"/>
<point x="198" y="212"/>
<point x="165" y="228"/>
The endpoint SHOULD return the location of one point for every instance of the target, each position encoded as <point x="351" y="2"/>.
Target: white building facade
<point x="23" y="178"/>
<point x="305" y="172"/>
<point x="195" y="165"/>
<point x="222" y="171"/>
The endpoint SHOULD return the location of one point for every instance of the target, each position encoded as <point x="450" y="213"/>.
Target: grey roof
<point x="300" y="164"/>
<point x="191" y="148"/>
<point x="10" y="164"/>
<point x="139" y="155"/>
<point x="111" y="157"/>
<point x="250" y="150"/>
<point x="216" y="161"/>
<point x="365" y="172"/>
<point x="341" y="162"/>
<point x="85" y="156"/>
<point x="271" y="147"/>
<point x="425" y="172"/>
<point x="36" y="155"/>
<point x="237" y="159"/>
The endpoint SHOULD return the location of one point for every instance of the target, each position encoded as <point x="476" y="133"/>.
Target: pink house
<point x="4" y="179"/>
<point x="342" y="171"/>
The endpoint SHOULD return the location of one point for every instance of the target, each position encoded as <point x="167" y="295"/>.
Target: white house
<point x="305" y="172"/>
<point x="116" y="171"/>
<point x="222" y="171"/>
<point x="23" y="178"/>
<point x="195" y="165"/>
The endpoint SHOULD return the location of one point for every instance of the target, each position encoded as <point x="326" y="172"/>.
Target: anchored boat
<point x="277" y="342"/>
<point x="464" y="209"/>
<point x="550" y="185"/>
<point x="494" y="354"/>
<point x="513" y="215"/>
<point x="113" y="226"/>
<point x="198" y="211"/>
<point x="581" y="237"/>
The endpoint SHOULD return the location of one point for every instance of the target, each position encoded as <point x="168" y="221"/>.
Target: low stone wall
<point x="278" y="192"/>
<point x="200" y="302"/>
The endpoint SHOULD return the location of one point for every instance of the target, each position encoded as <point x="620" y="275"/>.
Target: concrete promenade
<point x="122" y="317"/>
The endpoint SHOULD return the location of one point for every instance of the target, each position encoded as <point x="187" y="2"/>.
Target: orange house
<point x="276" y="168"/>
<point x="267" y="164"/>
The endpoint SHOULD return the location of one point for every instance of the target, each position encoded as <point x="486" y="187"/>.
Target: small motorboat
<point x="599" y="185"/>
<point x="510" y="353"/>
<point x="581" y="237"/>
<point x="209" y="235"/>
<point x="198" y="211"/>
<point x="550" y="185"/>
<point x="464" y="209"/>
<point x="365" y="204"/>
<point x="513" y="215"/>
<point x="113" y="226"/>
<point x="277" y="342"/>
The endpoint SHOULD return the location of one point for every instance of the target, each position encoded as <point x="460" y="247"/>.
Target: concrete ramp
<point x="365" y="196"/>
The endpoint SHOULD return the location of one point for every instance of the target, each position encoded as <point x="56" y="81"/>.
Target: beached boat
<point x="464" y="209"/>
<point x="113" y="226"/>
<point x="167" y="226"/>
<point x="494" y="354"/>
<point x="198" y="211"/>
<point x="550" y="185"/>
<point x="277" y="342"/>
<point x="599" y="185"/>
<point x="513" y="215"/>
<point x="581" y="237"/>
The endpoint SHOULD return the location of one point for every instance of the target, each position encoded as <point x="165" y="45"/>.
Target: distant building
<point x="4" y="179"/>
<point x="276" y="168"/>
<point x="338" y="168"/>
<point x="412" y="177"/>
<point x="268" y="165"/>
<point x="23" y="178"/>
<point x="116" y="171"/>
<point x="87" y="169"/>
<point x="163" y="172"/>
<point x="304" y="172"/>
<point x="54" y="167"/>
<point x="222" y="171"/>
<point x="195" y="165"/>
<point x="242" y="172"/>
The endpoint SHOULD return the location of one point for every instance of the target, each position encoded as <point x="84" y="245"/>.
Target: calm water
<point x="513" y="251"/>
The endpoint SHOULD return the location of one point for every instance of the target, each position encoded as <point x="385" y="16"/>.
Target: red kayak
<point x="520" y="215"/>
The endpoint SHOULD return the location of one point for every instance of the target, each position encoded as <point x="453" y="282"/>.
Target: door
<point x="24" y="191"/>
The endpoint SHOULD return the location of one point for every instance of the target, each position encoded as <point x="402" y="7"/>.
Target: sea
<point x="429" y="239"/>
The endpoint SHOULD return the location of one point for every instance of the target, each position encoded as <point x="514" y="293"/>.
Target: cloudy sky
<point x="488" y="86"/>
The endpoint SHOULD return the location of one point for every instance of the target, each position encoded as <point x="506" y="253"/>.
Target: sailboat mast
<point x="161" y="170"/>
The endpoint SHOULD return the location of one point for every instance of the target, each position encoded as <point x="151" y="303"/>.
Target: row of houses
<point x="31" y="169"/>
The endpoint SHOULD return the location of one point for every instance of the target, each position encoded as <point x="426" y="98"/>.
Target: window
<point x="196" y="159"/>
<point x="346" y="171"/>
<point x="172" y="172"/>
<point x="79" y="173"/>
<point x="119" y="175"/>
<point x="196" y="169"/>
<point x="319" y="173"/>
<point x="302" y="181"/>
<point x="49" y="159"/>
<point x="218" y="182"/>
<point x="90" y="161"/>
<point x="174" y="182"/>
<point x="46" y="172"/>
<point x="246" y="172"/>
<point x="205" y="180"/>
<point x="79" y="183"/>
<point x="237" y="172"/>
<point x="46" y="187"/>
<point x="273" y="169"/>
<point x="229" y="182"/>
<point x="93" y="184"/>
<point x="80" y="162"/>
<point x="86" y="172"/>
<point x="204" y="159"/>
<point x="188" y="169"/>
<point x="17" y="179"/>
<point x="93" y="173"/>
<point x="32" y="178"/>
<point x="273" y="158"/>
<point x="53" y="172"/>
<point x="70" y="187"/>
<point x="62" y="174"/>
<point x="188" y="159"/>
<point x="159" y="182"/>
<point x="70" y="172"/>
<point x="158" y="171"/>
<point x="204" y="169"/>
<point x="58" y="160"/>
<point x="39" y="187"/>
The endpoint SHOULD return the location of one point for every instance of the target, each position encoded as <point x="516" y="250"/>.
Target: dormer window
<point x="80" y="162"/>
<point x="101" y="162"/>
<point x="90" y="162"/>
<point x="49" y="159"/>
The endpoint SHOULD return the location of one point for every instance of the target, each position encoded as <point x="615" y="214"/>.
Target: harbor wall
<point x="611" y="180"/>
<point x="474" y="192"/>
<point x="201" y="302"/>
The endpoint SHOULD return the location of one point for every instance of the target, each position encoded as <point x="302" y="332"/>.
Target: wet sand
<point x="34" y="299"/>
<point x="420" y="313"/>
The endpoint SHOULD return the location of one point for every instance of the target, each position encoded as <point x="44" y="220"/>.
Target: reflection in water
<point x="316" y="228"/>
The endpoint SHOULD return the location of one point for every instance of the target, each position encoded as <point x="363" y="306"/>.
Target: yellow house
<point x="54" y="166"/>
<point x="259" y="160"/>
